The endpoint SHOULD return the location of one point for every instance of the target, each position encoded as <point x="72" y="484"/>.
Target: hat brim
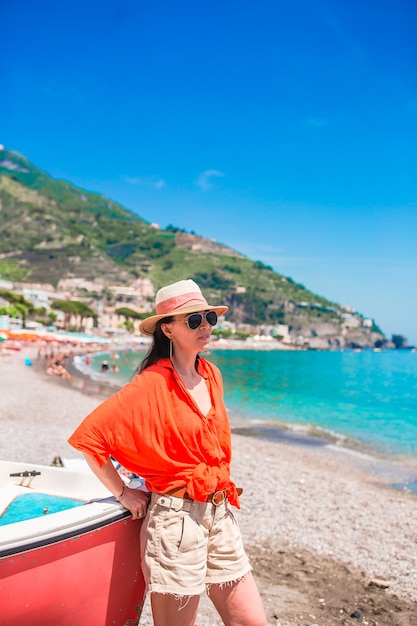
<point x="148" y="325"/>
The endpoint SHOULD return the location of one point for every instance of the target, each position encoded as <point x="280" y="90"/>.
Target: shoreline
<point x="326" y="536"/>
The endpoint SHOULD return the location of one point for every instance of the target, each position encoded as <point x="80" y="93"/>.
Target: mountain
<point x="50" y="230"/>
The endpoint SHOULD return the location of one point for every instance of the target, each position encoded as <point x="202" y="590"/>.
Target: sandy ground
<point x="331" y="542"/>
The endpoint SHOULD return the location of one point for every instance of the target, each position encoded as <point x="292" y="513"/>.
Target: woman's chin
<point x="205" y="343"/>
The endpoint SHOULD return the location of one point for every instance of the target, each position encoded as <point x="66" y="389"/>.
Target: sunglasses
<point x="195" y="320"/>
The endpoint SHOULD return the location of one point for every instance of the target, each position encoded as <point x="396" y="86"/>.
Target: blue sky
<point x="286" y="130"/>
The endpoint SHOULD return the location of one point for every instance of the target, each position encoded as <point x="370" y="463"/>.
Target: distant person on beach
<point x="104" y="367"/>
<point x="58" y="369"/>
<point x="169" y="425"/>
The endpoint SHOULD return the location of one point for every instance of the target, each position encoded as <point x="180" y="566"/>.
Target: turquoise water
<point x="369" y="396"/>
<point x="30" y="505"/>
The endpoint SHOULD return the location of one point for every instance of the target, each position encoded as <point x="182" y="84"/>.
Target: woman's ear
<point x="166" y="330"/>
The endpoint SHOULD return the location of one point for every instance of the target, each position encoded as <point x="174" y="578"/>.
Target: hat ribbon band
<point x="169" y="306"/>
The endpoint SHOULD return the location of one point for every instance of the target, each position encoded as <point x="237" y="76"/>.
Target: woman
<point x="170" y="426"/>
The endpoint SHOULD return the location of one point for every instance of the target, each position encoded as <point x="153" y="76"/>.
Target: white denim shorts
<point x="188" y="545"/>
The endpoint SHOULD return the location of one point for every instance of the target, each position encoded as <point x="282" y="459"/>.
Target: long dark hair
<point x="159" y="347"/>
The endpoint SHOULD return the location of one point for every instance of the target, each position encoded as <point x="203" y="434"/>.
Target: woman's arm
<point x="134" y="500"/>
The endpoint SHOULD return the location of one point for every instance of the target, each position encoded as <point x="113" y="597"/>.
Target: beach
<point x="331" y="542"/>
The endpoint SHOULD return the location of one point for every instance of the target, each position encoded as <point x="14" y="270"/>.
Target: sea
<point x="364" y="400"/>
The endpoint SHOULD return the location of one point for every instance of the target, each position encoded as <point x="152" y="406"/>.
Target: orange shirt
<point x="154" y="428"/>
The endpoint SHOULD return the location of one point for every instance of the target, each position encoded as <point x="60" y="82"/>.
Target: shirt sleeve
<point x="99" y="432"/>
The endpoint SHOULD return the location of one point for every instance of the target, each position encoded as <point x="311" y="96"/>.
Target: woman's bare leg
<point x="170" y="610"/>
<point x="239" y="603"/>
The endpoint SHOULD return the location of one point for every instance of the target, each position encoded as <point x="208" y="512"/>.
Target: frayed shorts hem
<point x="227" y="579"/>
<point x="180" y="592"/>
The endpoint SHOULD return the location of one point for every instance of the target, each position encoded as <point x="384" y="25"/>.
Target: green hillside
<point x="50" y="229"/>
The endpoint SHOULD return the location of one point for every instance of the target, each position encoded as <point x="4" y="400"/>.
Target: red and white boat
<point x="79" y="566"/>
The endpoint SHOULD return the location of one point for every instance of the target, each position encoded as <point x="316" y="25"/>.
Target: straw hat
<point x="183" y="296"/>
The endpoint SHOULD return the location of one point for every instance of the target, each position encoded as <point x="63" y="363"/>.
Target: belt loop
<point x="171" y="502"/>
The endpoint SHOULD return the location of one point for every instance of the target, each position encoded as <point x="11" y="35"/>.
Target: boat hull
<point x="81" y="570"/>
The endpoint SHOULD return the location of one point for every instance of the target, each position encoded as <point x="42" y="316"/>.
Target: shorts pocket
<point x="191" y="534"/>
<point x="231" y="516"/>
<point x="171" y="533"/>
<point x="180" y="534"/>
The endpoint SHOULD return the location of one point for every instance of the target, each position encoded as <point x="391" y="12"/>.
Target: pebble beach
<point x="331" y="541"/>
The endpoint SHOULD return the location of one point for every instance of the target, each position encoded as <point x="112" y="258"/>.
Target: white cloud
<point x="204" y="179"/>
<point x="151" y="181"/>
